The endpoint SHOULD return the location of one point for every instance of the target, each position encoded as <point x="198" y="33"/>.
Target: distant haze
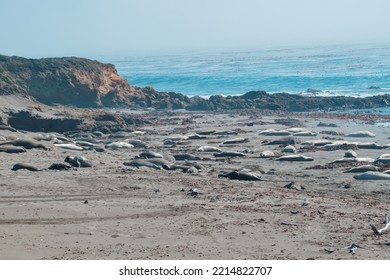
<point x="91" y="28"/>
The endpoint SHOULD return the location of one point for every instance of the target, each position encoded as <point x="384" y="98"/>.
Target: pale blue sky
<point x="118" y="27"/>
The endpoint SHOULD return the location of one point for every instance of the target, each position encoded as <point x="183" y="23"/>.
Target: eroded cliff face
<point x="68" y="81"/>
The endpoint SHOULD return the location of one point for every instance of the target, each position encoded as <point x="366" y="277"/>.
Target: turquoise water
<point x="352" y="70"/>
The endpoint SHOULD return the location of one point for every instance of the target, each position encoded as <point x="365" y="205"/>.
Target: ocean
<point x="332" y="70"/>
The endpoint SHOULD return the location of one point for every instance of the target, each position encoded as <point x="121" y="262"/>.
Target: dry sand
<point x="149" y="214"/>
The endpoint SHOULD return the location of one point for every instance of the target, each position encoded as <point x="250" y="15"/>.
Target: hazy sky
<point x="129" y="27"/>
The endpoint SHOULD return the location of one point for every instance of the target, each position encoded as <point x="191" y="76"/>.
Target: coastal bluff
<point x="85" y="83"/>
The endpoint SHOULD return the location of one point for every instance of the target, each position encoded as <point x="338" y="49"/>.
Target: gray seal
<point x="78" y="161"/>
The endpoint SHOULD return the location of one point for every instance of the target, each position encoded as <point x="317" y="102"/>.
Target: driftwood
<point x="379" y="231"/>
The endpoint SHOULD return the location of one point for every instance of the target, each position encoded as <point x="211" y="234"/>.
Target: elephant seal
<point x="78" y="161"/>
<point x="137" y="143"/>
<point x="267" y="154"/>
<point x="289" y="149"/>
<point x="12" y="149"/>
<point x="360" y="134"/>
<point x="155" y="163"/>
<point x="346" y="160"/>
<point x="385" y="159"/>
<point x="274" y="132"/>
<point x="19" y="166"/>
<point x="295" y="158"/>
<point x="240" y="175"/>
<point x="149" y="155"/>
<point x="59" y="166"/>
<point x="25" y="143"/>
<point x="350" y="154"/>
<point x="235" y="141"/>
<point x="229" y="154"/>
<point x="305" y="133"/>
<point x="186" y="157"/>
<point x="119" y="145"/>
<point x="362" y="168"/>
<point x="206" y="132"/>
<point x="69" y="146"/>
<point x="372" y="175"/>
<point x="288" y="140"/>
<point x="209" y="149"/>
<point x="196" y="136"/>
<point x="370" y="145"/>
<point x="316" y="142"/>
<point x="225" y="132"/>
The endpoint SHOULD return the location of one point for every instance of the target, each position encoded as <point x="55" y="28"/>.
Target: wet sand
<point x="144" y="213"/>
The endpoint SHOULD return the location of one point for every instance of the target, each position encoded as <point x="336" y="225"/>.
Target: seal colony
<point x="240" y="185"/>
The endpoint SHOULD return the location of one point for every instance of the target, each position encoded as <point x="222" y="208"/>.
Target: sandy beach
<point x="114" y="211"/>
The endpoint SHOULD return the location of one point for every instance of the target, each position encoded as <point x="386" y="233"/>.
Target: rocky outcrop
<point x="288" y="102"/>
<point x="72" y="81"/>
<point x="85" y="83"/>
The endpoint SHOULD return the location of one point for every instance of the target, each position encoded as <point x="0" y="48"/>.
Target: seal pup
<point x="295" y="158"/>
<point x="78" y="161"/>
<point x="240" y="175"/>
<point x="25" y="143"/>
<point x="372" y="175"/>
<point x="29" y="167"/>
